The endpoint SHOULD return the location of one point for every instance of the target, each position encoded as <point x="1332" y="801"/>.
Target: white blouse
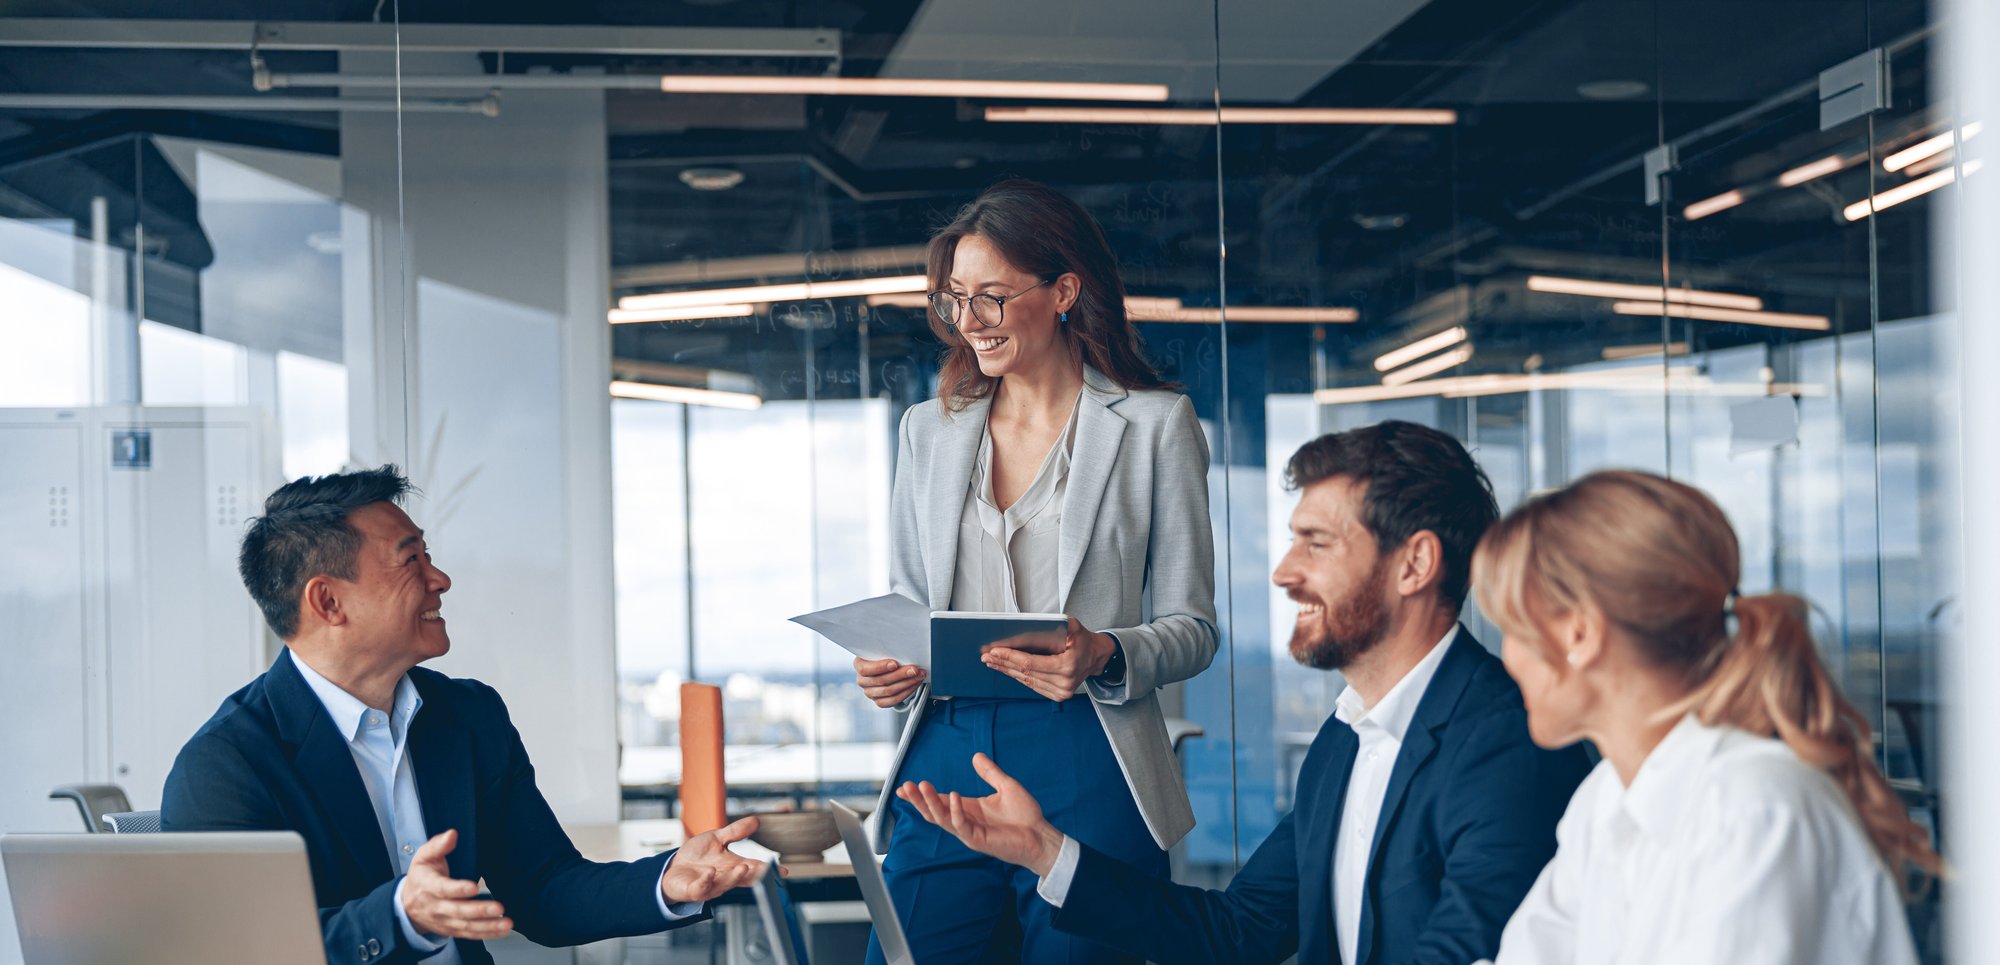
<point x="1725" y="848"/>
<point x="1007" y="561"/>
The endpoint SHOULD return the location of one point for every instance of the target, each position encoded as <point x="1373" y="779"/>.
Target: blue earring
<point x="1063" y="318"/>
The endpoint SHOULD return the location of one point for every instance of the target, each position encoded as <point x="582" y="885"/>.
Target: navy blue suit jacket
<point x="271" y="760"/>
<point x="1467" y="823"/>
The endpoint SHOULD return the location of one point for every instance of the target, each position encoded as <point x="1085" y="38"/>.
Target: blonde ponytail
<point x="1661" y="561"/>
<point x="1768" y="679"/>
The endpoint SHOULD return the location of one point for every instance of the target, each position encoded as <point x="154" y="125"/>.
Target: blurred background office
<point x="635" y="293"/>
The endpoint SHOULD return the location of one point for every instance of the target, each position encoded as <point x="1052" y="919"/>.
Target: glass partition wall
<point x="636" y="297"/>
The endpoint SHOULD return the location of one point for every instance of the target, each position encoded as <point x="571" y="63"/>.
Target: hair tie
<point x="1729" y="622"/>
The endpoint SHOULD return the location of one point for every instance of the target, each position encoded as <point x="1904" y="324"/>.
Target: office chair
<point x="132" y="822"/>
<point x="93" y="801"/>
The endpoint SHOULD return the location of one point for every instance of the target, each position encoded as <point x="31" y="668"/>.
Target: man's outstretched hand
<point x="1006" y="824"/>
<point x="438" y="904"/>
<point x="704" y="868"/>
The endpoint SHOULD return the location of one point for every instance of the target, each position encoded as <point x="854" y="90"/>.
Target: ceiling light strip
<point x="1248" y="313"/>
<point x="686" y="396"/>
<point x="1929" y="147"/>
<point x="1708" y="206"/>
<point x="911" y="87"/>
<point x="1199" y="117"/>
<point x="1612" y="289"/>
<point x="1430" y="366"/>
<point x="764" y="294"/>
<point x="1905" y="191"/>
<point x="1817" y="323"/>
<point x="626" y="316"/>
<point x="1420" y="348"/>
<point x="1683" y="380"/>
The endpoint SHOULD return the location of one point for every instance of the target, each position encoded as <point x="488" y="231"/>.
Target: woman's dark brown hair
<point x="1045" y="234"/>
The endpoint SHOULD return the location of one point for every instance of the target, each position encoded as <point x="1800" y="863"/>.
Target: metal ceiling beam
<point x="488" y="106"/>
<point x="420" y="37"/>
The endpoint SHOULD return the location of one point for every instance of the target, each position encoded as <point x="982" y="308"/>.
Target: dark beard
<point x="1353" y="627"/>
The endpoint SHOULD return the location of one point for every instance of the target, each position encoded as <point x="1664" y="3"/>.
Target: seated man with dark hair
<point x="408" y="786"/>
<point x="1424" y="812"/>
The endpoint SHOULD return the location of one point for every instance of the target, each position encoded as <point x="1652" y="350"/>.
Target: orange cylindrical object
<point x="704" y="795"/>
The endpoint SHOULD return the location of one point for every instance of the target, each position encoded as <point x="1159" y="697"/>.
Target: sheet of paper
<point x="890" y="625"/>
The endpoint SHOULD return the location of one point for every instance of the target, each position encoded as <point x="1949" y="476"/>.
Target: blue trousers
<point x="957" y="904"/>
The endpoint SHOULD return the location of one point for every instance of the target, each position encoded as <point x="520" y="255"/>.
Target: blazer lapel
<point x="956" y="449"/>
<point x="441" y="762"/>
<point x="1316" y="840"/>
<point x="1099" y="431"/>
<point x="327" y="768"/>
<point x="1419" y="746"/>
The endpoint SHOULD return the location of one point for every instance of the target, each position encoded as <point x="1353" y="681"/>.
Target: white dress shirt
<point x="1008" y="562"/>
<point x="1380" y="729"/>
<point x="379" y="745"/>
<point x="1725" y="848"/>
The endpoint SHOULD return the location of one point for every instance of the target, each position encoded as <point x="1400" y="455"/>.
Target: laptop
<point x="874" y="888"/>
<point x="781" y="919"/>
<point x="164" y="899"/>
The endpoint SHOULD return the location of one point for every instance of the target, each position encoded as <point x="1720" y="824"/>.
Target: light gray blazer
<point x="1136" y="560"/>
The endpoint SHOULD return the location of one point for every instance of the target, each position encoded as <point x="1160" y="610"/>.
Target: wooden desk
<point x="829" y="879"/>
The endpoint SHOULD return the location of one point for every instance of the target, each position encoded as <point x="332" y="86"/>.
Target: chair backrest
<point x="93" y="801"/>
<point x="132" y="822"/>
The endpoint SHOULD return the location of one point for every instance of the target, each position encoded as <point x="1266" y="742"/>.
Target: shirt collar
<point x="348" y="711"/>
<point x="1657" y="796"/>
<point x="1393" y="713"/>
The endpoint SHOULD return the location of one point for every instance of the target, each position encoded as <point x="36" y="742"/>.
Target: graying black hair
<point x="304" y="533"/>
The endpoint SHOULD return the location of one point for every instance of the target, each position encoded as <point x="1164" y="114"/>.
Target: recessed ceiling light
<point x="1612" y="90"/>
<point x="711" y="179"/>
<point x="1381" y="222"/>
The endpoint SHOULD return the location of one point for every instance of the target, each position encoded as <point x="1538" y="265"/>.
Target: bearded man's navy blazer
<point x="1468" y="821"/>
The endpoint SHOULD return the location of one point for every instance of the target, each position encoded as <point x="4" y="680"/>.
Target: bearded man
<point x="1424" y="812"/>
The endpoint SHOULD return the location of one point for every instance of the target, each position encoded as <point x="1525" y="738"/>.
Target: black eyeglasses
<point x="987" y="310"/>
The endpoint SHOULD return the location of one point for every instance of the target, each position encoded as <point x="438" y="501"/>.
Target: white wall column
<point x="494" y="397"/>
<point x="1968" y="245"/>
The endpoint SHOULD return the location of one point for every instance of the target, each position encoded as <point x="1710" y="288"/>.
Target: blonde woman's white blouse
<point x="1725" y="848"/>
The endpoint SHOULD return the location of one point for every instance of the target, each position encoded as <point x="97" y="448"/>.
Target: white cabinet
<point x="122" y="621"/>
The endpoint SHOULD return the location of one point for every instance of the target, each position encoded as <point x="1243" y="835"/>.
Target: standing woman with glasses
<point x="1055" y="473"/>
<point x="1737" y="815"/>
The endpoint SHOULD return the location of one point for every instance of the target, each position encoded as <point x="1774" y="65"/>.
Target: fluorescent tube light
<point x="1249" y="313"/>
<point x="1818" y="323"/>
<point x="1905" y="191"/>
<point x="760" y="294"/>
<point x="1684" y="380"/>
<point x="627" y="316"/>
<point x="1708" y="206"/>
<point x="1610" y="289"/>
<point x="1135" y="305"/>
<point x="686" y="396"/>
<point x="1199" y="117"/>
<point x="1813" y="170"/>
<point x="1928" y="147"/>
<point x="1420" y="348"/>
<point x="1430" y="366"/>
<point x="1619" y="353"/>
<point x="911" y="87"/>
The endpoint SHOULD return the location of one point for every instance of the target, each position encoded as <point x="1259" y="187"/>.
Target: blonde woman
<point x="1737" y="815"/>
